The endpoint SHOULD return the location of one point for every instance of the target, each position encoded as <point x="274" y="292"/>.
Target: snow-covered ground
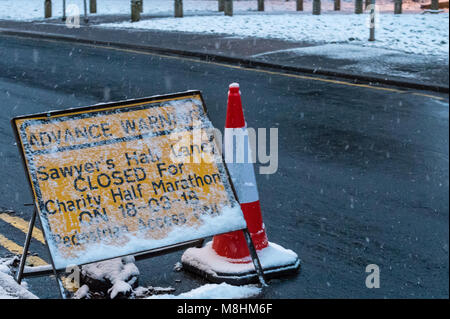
<point x="215" y="291"/>
<point x="411" y="33"/>
<point x="120" y="274"/>
<point x="9" y="288"/>
<point x="34" y="9"/>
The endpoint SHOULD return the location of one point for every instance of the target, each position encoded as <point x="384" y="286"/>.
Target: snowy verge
<point x="27" y="10"/>
<point x="9" y="288"/>
<point x="215" y="291"/>
<point x="409" y="33"/>
<point x="365" y="60"/>
<point x="34" y="9"/>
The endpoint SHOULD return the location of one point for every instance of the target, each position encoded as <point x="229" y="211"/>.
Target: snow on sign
<point x="122" y="178"/>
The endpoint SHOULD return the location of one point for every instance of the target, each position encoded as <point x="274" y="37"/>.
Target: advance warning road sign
<point x="122" y="178"/>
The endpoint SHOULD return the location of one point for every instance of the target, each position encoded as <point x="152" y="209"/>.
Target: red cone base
<point x="233" y="245"/>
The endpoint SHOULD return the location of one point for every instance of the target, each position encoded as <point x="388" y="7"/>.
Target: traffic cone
<point x="233" y="245"/>
<point x="227" y="257"/>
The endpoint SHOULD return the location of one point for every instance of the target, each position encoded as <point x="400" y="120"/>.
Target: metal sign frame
<point x="140" y="255"/>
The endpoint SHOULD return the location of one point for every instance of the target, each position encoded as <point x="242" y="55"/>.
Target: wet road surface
<point x="362" y="174"/>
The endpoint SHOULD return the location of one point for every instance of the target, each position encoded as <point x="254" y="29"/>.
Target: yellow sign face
<point x="123" y="178"/>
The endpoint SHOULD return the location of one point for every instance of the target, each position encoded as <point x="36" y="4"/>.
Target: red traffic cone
<point x="227" y="257"/>
<point x="233" y="245"/>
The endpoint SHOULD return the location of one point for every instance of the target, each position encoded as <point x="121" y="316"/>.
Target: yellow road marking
<point x="230" y="66"/>
<point x="22" y="225"/>
<point x="18" y="250"/>
<point x="428" y="95"/>
<point x="14" y="248"/>
<point x="31" y="260"/>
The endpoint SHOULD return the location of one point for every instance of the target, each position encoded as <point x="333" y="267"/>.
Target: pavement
<point x="346" y="60"/>
<point x="362" y="174"/>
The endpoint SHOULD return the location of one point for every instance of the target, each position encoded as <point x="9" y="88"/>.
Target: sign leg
<point x="255" y="258"/>
<point x="59" y="282"/>
<point x="26" y="247"/>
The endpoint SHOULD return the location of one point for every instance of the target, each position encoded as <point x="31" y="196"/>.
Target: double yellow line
<point x="15" y="248"/>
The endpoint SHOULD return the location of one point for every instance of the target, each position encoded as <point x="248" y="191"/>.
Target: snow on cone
<point x="227" y="257"/>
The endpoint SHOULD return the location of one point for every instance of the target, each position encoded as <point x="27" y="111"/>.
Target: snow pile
<point x="9" y="288"/>
<point x="209" y="261"/>
<point x="144" y="292"/>
<point x="82" y="293"/>
<point x="121" y="288"/>
<point x="116" y="277"/>
<point x="411" y="33"/>
<point x="366" y="59"/>
<point x="215" y="291"/>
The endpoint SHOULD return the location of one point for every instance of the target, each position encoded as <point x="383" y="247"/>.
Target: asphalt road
<point x="362" y="178"/>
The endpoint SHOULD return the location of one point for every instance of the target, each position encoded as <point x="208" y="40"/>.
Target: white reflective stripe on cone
<point x="238" y="156"/>
<point x="244" y="182"/>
